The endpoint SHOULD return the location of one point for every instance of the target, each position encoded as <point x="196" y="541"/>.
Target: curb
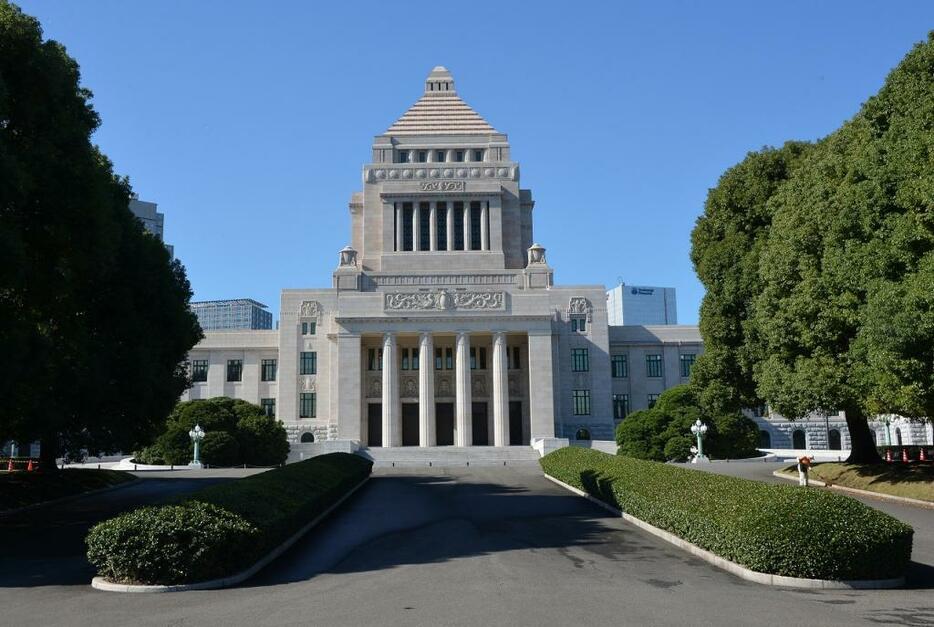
<point x="70" y="497"/>
<point x="99" y="583"/>
<point x="904" y="500"/>
<point x="734" y="568"/>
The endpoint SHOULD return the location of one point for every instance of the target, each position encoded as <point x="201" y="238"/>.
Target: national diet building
<point x="443" y="324"/>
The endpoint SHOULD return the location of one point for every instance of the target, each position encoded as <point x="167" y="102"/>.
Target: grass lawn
<point x="18" y="489"/>
<point x="915" y="481"/>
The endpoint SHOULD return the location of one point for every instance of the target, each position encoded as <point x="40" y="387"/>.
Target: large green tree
<point x="836" y="314"/>
<point x="95" y="314"/>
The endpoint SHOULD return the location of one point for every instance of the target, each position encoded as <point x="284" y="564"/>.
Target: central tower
<point x="441" y="193"/>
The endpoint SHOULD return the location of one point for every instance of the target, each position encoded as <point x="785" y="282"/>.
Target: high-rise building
<point x="640" y="304"/>
<point x="240" y="313"/>
<point x="153" y="220"/>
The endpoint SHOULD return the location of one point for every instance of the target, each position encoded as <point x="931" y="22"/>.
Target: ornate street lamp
<point x="699" y="429"/>
<point x="196" y="435"/>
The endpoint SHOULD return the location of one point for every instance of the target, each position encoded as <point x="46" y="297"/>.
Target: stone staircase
<point x="450" y="456"/>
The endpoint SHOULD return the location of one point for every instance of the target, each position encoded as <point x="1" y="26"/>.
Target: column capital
<point x="425" y="337"/>
<point x="389" y="338"/>
<point x="499" y="337"/>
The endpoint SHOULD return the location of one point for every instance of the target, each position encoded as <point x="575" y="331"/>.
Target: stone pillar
<point x="541" y="385"/>
<point x="449" y="224"/>
<point x="500" y="391"/>
<point x="484" y="226"/>
<point x="416" y="223"/>
<point x="400" y="243"/>
<point x="463" y="405"/>
<point x="466" y="225"/>
<point x="392" y="403"/>
<point x="433" y="226"/>
<point x="426" y="391"/>
<point x="347" y="392"/>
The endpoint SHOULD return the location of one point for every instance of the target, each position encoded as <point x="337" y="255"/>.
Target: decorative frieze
<point x="310" y="309"/>
<point x="580" y="305"/>
<point x="406" y="172"/>
<point x="445" y="300"/>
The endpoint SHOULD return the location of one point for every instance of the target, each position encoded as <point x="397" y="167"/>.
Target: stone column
<point x="500" y="391"/>
<point x="392" y="403"/>
<point x="541" y="385"/>
<point x="449" y="224"/>
<point x="484" y="226"/>
<point x="463" y="405"/>
<point x="426" y="391"/>
<point x="416" y="223"/>
<point x="466" y="225"/>
<point x="433" y="226"/>
<point x="400" y="243"/>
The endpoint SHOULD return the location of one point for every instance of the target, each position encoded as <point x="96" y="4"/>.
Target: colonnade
<point x="433" y="209"/>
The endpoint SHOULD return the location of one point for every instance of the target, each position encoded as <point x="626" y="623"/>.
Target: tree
<point x="663" y="433"/>
<point x="833" y="313"/>
<point x="96" y="318"/>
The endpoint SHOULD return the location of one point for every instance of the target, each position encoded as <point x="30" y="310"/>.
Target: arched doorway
<point x="582" y="434"/>
<point x="833" y="439"/>
<point x="308" y="438"/>
<point x="765" y="439"/>
<point x="798" y="439"/>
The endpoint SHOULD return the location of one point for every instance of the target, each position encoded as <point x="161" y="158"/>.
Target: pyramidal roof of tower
<point x="440" y="111"/>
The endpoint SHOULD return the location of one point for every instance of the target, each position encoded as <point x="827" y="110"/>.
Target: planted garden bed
<point x="774" y="529"/>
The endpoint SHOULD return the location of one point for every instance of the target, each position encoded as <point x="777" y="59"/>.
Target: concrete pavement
<point x="492" y="546"/>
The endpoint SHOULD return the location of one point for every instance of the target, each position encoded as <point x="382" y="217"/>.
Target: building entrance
<point x="409" y="424"/>
<point x="515" y="423"/>
<point x="480" y="430"/>
<point x="444" y="424"/>
<point x="374" y="424"/>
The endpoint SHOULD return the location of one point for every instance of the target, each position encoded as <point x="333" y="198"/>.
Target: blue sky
<point x="249" y="122"/>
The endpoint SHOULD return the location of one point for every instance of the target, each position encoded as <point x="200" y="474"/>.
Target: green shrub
<point x="777" y="529"/>
<point x="150" y="455"/>
<point x="219" y="448"/>
<point x="263" y="441"/>
<point x="249" y="516"/>
<point x="172" y="544"/>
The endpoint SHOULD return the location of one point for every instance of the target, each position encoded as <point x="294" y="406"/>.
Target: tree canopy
<point x="819" y="271"/>
<point x="96" y="318"/>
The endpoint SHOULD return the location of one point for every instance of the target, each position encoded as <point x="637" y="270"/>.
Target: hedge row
<point x="776" y="529"/>
<point x="222" y="529"/>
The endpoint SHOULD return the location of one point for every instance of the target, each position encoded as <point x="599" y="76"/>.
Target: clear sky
<point x="248" y="122"/>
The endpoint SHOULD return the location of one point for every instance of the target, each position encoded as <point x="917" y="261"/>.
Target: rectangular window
<point x="475" y="236"/>
<point x="407" y="234"/>
<point x="403" y="156"/>
<point x="405" y="359"/>
<point x="309" y="328"/>
<point x="619" y="365"/>
<point x="442" y="219"/>
<point x="269" y="406"/>
<point x="199" y="370"/>
<point x="371" y="359"/>
<point x="653" y="398"/>
<point x="234" y="369"/>
<point x="440" y="156"/>
<point x="422" y="156"/>
<point x="620" y="406"/>
<point x="458" y="226"/>
<point x="309" y="363"/>
<point x="424" y="226"/>
<point x="482" y="352"/>
<point x="580" y="360"/>
<point x="307" y="405"/>
<point x="268" y="370"/>
<point x="579" y="324"/>
<point x="458" y="155"/>
<point x="473" y="358"/>
<point x="514" y="358"/>
<point x="478" y="155"/>
<point x="687" y="362"/>
<point x="581" y="402"/>
<point x="414" y="359"/>
<point x="448" y="358"/>
<point x="653" y="366"/>
<point x="438" y="359"/>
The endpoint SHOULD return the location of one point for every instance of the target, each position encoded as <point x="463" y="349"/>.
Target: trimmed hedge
<point x="224" y="528"/>
<point x="776" y="529"/>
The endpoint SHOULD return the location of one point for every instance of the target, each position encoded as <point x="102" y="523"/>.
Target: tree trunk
<point x="48" y="452"/>
<point x="862" y="446"/>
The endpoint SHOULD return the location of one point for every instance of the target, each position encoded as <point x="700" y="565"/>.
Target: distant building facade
<point x="153" y="220"/>
<point x="226" y="315"/>
<point x="641" y="304"/>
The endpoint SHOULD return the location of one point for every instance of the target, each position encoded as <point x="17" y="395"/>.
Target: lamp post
<point x="699" y="429"/>
<point x="196" y="435"/>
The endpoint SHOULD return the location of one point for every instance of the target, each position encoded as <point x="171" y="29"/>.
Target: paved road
<point x="491" y="546"/>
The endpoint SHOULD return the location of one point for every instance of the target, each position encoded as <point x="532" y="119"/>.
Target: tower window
<point x="459" y="226"/>
<point x="478" y="155"/>
<point x="422" y="156"/>
<point x="402" y="156"/>
<point x="442" y="219"/>
<point x="439" y="156"/>
<point x="458" y="155"/>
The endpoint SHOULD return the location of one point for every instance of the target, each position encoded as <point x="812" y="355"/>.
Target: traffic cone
<point x="9" y="465"/>
<point x="888" y="455"/>
<point x="29" y="466"/>
<point x="922" y="455"/>
<point x="905" y="455"/>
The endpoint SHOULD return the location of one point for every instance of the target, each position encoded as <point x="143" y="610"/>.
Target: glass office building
<point x="241" y="313"/>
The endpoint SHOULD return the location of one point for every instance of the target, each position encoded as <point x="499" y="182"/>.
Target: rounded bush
<point x="263" y="441"/>
<point x="172" y="544"/>
<point x="219" y="448"/>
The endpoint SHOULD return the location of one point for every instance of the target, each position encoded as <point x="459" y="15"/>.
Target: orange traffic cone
<point x="905" y="455"/>
<point x="29" y="466"/>
<point x="922" y="455"/>
<point x="888" y="455"/>
<point x="9" y="465"/>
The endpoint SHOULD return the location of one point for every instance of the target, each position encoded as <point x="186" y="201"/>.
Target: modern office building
<point x="225" y="315"/>
<point x="153" y="220"/>
<point x="640" y="304"/>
